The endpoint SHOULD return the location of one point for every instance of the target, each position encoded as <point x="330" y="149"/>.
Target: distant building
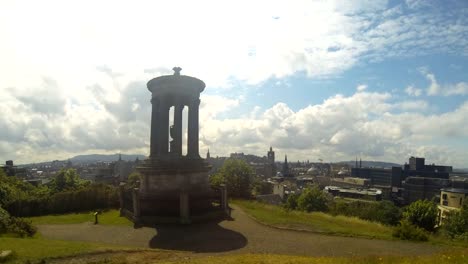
<point x="450" y="199"/>
<point x="12" y="170"/>
<point x="122" y="169"/>
<point x="285" y="172"/>
<point x="417" y="167"/>
<point x="355" y="193"/>
<point x="414" y="181"/>
<point x="263" y="166"/>
<point x="270" y="170"/>
<point x="421" y="188"/>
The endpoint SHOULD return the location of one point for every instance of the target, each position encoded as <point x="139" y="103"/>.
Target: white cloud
<point x="435" y="88"/>
<point x="365" y="123"/>
<point x="418" y="105"/>
<point x="361" y="87"/>
<point x="412" y="91"/>
<point x="238" y="40"/>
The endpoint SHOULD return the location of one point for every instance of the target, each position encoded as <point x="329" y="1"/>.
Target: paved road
<point x="240" y="235"/>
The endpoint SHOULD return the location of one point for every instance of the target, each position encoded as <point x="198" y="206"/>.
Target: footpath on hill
<point x="239" y="235"/>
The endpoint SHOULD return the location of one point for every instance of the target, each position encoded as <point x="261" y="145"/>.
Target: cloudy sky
<point x="328" y="80"/>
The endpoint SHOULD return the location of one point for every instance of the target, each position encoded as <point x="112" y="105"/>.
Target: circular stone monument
<point x="174" y="187"/>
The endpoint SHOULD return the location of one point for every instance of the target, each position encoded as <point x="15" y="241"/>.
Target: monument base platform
<point x="173" y="191"/>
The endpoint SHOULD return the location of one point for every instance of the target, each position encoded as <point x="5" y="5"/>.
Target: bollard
<point x="96" y="218"/>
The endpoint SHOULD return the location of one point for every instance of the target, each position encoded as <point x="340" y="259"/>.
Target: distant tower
<point x="360" y="163"/>
<point x="271" y="156"/>
<point x="119" y="168"/>
<point x="271" y="163"/>
<point x="208" y="154"/>
<point x="285" y="169"/>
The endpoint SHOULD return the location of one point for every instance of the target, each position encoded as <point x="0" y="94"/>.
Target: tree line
<point x="65" y="193"/>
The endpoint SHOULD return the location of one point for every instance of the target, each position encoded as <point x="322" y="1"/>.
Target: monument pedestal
<point x="175" y="190"/>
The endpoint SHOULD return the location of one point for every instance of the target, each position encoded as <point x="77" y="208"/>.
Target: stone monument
<point x="174" y="187"/>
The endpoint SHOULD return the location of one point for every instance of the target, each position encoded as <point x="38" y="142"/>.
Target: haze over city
<point x="380" y="80"/>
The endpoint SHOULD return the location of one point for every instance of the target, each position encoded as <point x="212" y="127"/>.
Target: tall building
<point x="271" y="156"/>
<point x="285" y="169"/>
<point x="270" y="166"/>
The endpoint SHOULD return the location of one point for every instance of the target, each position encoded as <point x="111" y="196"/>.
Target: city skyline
<point x="381" y="80"/>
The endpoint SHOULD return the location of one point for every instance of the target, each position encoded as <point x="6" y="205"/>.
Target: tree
<point x="133" y="179"/>
<point x="313" y="199"/>
<point x="422" y="213"/>
<point x="237" y="175"/>
<point x="456" y="223"/>
<point x="291" y="202"/>
<point x="67" y="179"/>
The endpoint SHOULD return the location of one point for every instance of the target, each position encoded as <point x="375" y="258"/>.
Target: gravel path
<point x="240" y="235"/>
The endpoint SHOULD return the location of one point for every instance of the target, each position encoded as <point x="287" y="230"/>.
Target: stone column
<point x="178" y="108"/>
<point x="184" y="208"/>
<point x="192" y="145"/>
<point x="154" y="141"/>
<point x="163" y="127"/>
<point x="136" y="204"/>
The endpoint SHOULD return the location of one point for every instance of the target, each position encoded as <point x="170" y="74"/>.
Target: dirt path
<point x="241" y="235"/>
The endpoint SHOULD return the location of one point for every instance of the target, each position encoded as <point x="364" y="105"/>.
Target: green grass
<point x="315" y="222"/>
<point x="443" y="258"/>
<point x="110" y="217"/>
<point x="37" y="248"/>
<point x="448" y="258"/>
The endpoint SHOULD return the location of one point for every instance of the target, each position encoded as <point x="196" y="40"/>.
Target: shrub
<point x="407" y="231"/>
<point x="456" y="223"/>
<point x="313" y="199"/>
<point x="291" y="202"/>
<point x="384" y="212"/>
<point x="422" y="213"/>
<point x="22" y="227"/>
<point x="95" y="196"/>
<point x="237" y="175"/>
<point x="13" y="225"/>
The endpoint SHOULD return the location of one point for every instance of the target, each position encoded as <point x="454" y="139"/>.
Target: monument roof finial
<point x="177" y="70"/>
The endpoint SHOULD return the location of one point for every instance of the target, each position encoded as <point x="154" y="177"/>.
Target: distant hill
<point x="105" y="158"/>
<point x="372" y="164"/>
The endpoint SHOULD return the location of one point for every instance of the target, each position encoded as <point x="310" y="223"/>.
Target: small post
<point x="96" y="217"/>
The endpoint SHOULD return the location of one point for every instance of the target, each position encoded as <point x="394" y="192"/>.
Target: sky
<point x="331" y="80"/>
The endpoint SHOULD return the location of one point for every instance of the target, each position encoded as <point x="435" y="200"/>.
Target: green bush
<point x="384" y="212"/>
<point x="237" y="175"/>
<point x="422" y="213"/>
<point x="313" y="199"/>
<point x="95" y="196"/>
<point x="291" y="202"/>
<point x="456" y="223"/>
<point x="13" y="225"/>
<point x="407" y="231"/>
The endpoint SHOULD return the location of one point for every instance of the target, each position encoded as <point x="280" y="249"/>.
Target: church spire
<point x="208" y="154"/>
